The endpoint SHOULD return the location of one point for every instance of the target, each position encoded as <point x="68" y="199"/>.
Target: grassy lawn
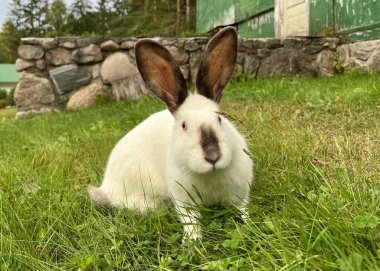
<point x="315" y="204"/>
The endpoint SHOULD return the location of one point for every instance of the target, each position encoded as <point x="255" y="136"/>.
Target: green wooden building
<point x="353" y="19"/>
<point x="8" y="76"/>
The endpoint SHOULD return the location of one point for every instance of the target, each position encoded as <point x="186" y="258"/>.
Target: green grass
<point x="315" y="204"/>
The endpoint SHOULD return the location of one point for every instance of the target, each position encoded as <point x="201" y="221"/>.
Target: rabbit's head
<point x="203" y="140"/>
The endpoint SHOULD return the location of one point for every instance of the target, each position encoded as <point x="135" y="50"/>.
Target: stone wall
<point x="65" y="72"/>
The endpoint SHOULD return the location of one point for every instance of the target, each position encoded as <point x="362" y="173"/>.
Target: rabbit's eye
<point x="184" y="126"/>
<point x="219" y="119"/>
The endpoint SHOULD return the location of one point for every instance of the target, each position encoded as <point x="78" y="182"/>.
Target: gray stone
<point x="374" y="61"/>
<point x="286" y="62"/>
<point x="251" y="64"/>
<point x="94" y="70"/>
<point x="180" y="55"/>
<point x="58" y="57"/>
<point x="85" y="96"/>
<point x="82" y="42"/>
<point x="128" y="44"/>
<point x="313" y="49"/>
<point x="191" y="45"/>
<point x="273" y="43"/>
<point x="33" y="92"/>
<point x="185" y="70"/>
<point x="32" y="41"/>
<point x="69" y="77"/>
<point x="294" y="43"/>
<point x="22" y="64"/>
<point x="37" y="111"/>
<point x="117" y="66"/>
<point x="49" y="43"/>
<point x="240" y="57"/>
<point x="30" y="52"/>
<point x="41" y="64"/>
<point x="129" y="88"/>
<point x="68" y="44"/>
<point x="195" y="60"/>
<point x="263" y="52"/>
<point x="88" y="54"/>
<point x="325" y="62"/>
<point x="363" y="50"/>
<point x="169" y="41"/>
<point x="109" y="46"/>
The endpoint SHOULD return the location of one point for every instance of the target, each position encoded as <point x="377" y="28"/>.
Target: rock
<point x="58" y="57"/>
<point x="195" y="60"/>
<point x="128" y="44"/>
<point x="273" y="43"/>
<point x="68" y="44"/>
<point x="22" y="64"/>
<point x="374" y="61"/>
<point x="325" y="62"/>
<point x="129" y="88"/>
<point x="238" y="68"/>
<point x="33" y="112"/>
<point x="82" y="42"/>
<point x="313" y="49"/>
<point x="109" y="46"/>
<point x="88" y="54"/>
<point x="85" y="97"/>
<point x="169" y="41"/>
<point x="49" y="43"/>
<point x="30" y="52"/>
<point x="185" y="69"/>
<point x="116" y="67"/>
<point x="263" y="52"/>
<point x="251" y="64"/>
<point x="286" y="62"/>
<point x="33" y="92"/>
<point x="69" y="77"/>
<point x="94" y="70"/>
<point x="32" y="41"/>
<point x="40" y="64"/>
<point x="180" y="55"/>
<point x="363" y="50"/>
<point x="293" y="43"/>
<point x="191" y="45"/>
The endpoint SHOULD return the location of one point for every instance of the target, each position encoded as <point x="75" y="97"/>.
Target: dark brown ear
<point x="218" y="64"/>
<point x="161" y="73"/>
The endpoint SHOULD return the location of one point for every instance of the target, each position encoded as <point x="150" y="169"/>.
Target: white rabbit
<point x="189" y="153"/>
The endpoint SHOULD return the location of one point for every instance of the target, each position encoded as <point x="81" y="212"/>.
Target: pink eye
<point x="184" y="126"/>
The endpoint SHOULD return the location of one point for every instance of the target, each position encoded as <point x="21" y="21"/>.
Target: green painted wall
<point x="255" y="18"/>
<point x="355" y="19"/>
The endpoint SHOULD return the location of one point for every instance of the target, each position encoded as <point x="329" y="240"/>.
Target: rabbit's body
<point x="188" y="153"/>
<point x="141" y="176"/>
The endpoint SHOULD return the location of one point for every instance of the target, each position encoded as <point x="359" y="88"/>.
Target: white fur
<point x="158" y="160"/>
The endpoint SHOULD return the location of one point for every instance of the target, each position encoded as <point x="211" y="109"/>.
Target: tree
<point x="9" y="38"/>
<point x="104" y="16"/>
<point x="29" y="17"/>
<point x="81" y="19"/>
<point x="56" y="18"/>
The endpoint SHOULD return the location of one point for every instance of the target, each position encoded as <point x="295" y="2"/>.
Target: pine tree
<point x="56" y="18"/>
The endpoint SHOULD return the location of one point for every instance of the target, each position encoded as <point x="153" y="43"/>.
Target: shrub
<point x="3" y="94"/>
<point x="3" y="103"/>
<point x="10" y="98"/>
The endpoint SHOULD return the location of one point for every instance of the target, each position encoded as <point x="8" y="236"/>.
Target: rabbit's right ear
<point x="161" y="73"/>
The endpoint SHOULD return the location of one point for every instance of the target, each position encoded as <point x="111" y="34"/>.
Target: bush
<point x="11" y="96"/>
<point x="3" y="94"/>
<point x="3" y="103"/>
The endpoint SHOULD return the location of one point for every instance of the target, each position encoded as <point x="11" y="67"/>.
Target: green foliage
<point x="107" y="18"/>
<point x="303" y="215"/>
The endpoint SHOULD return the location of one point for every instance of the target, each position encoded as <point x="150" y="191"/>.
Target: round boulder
<point x="117" y="66"/>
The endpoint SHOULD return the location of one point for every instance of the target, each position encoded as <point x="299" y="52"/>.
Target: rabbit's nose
<point x="213" y="160"/>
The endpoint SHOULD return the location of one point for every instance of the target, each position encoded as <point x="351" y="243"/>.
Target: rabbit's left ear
<point x="218" y="64"/>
